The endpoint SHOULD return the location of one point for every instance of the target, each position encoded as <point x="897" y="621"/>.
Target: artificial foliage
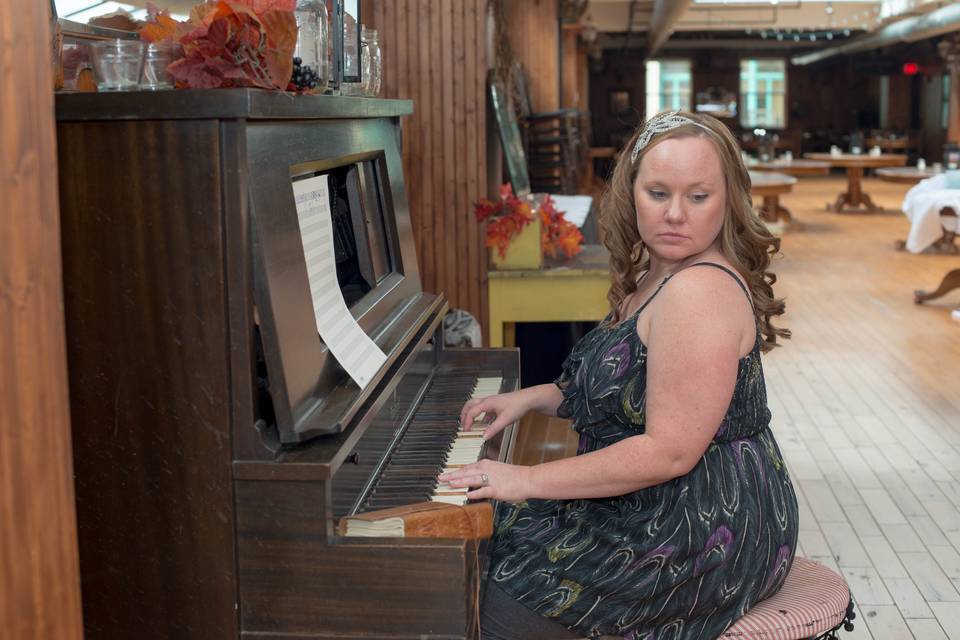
<point x="230" y="43"/>
<point x="507" y="216"/>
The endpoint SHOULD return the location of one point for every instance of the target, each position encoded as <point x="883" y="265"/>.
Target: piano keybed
<point x="431" y="443"/>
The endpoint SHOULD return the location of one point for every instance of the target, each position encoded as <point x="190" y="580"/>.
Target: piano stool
<point x="814" y="602"/>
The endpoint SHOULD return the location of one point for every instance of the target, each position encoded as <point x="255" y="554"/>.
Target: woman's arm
<point x="545" y="398"/>
<point x="693" y="349"/>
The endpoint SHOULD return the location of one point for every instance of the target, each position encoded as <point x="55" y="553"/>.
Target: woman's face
<point x="681" y="197"/>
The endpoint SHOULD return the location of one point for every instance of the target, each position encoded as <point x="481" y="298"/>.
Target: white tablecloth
<point x="922" y="205"/>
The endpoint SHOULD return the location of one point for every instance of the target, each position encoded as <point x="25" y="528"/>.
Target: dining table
<point x="796" y="167"/>
<point x="905" y="175"/>
<point x="770" y="186"/>
<point x="855" y="163"/>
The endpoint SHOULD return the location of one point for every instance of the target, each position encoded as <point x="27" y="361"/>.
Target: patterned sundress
<point x="679" y="560"/>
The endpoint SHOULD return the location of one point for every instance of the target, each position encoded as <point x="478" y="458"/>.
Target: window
<point x="668" y="86"/>
<point x="83" y="10"/>
<point x="945" y="101"/>
<point x="763" y="93"/>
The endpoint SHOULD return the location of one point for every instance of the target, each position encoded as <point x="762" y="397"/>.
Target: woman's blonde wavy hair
<point x="744" y="240"/>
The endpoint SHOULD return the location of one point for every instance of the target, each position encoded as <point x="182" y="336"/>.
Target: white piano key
<point x="466" y="447"/>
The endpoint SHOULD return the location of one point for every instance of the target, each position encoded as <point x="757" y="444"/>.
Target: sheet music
<point x="353" y="349"/>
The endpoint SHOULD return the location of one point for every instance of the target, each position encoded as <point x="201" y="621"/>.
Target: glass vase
<point x="372" y="74"/>
<point x="313" y="40"/>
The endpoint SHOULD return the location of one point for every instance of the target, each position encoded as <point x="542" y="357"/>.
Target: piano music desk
<point x="569" y="290"/>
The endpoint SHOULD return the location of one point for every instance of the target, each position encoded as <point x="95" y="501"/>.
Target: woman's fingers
<point x="466" y="407"/>
<point x="481" y="493"/>
<point x="473" y="412"/>
<point x="494" y="428"/>
<point x="470" y="471"/>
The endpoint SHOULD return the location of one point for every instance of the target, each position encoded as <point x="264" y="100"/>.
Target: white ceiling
<point x="759" y="15"/>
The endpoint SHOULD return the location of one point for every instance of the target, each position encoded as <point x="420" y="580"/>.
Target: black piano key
<point x="411" y="472"/>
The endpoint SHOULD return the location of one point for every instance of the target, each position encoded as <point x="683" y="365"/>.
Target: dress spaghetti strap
<point x="696" y="264"/>
<point x="730" y="273"/>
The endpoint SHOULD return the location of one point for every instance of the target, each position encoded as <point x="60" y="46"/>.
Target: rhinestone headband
<point x="658" y="124"/>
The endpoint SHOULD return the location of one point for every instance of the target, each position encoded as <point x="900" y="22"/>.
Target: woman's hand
<point x="499" y="411"/>
<point x="492" y="480"/>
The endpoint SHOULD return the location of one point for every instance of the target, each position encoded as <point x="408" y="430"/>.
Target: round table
<point x="770" y="186"/>
<point x="795" y="167"/>
<point x="855" y="164"/>
<point x="907" y="175"/>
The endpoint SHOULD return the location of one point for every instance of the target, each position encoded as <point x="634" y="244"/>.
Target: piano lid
<point x="376" y="268"/>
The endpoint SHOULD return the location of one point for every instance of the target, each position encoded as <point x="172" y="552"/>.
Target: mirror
<point x="509" y="137"/>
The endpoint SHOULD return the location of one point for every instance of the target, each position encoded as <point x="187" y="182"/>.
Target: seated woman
<point x="677" y="514"/>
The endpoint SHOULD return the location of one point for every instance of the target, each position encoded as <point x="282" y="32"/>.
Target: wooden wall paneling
<point x="458" y="118"/>
<point x="533" y="29"/>
<point x="447" y="213"/>
<point x="570" y="71"/>
<point x="423" y="109"/>
<point x="39" y="570"/>
<point x="434" y="54"/>
<point x="438" y="237"/>
<point x="472" y="102"/>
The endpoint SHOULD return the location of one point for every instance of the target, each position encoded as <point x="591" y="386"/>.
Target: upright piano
<point x="216" y="439"/>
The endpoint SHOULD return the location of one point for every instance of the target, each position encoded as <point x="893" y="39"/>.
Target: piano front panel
<point x="294" y="581"/>
<point x="296" y="576"/>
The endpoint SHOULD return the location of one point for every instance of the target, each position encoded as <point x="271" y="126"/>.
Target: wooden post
<point x="39" y="571"/>
<point x="950" y="52"/>
<point x="570" y="97"/>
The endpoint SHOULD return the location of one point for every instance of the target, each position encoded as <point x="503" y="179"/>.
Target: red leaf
<point x="195" y="73"/>
<point x="280" y="28"/>
<point x="263" y="6"/>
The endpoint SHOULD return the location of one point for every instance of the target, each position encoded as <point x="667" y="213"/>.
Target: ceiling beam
<point x="936" y="23"/>
<point x="666" y="13"/>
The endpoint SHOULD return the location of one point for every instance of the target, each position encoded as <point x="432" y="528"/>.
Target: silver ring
<point x="485" y="479"/>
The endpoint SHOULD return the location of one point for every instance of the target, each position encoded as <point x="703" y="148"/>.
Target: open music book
<point x="423" y="520"/>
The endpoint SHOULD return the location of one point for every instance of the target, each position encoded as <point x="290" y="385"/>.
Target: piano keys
<point x="216" y="441"/>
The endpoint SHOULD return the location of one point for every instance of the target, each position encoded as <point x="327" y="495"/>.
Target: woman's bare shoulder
<point x="704" y="299"/>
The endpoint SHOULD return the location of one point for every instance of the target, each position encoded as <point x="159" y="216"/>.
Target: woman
<point x="677" y="514"/>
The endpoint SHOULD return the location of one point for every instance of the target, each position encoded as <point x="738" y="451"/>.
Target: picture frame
<point x="345" y="23"/>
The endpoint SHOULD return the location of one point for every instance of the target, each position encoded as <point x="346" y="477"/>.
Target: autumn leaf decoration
<point x="230" y="43"/>
<point x="557" y="234"/>
<point x="507" y="216"/>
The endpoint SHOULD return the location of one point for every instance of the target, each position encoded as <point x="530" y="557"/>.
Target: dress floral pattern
<point x="680" y="560"/>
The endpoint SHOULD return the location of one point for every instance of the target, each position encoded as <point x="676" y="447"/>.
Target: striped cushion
<point x="812" y="600"/>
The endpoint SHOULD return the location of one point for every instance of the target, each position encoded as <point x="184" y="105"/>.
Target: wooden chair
<point x="553" y="140"/>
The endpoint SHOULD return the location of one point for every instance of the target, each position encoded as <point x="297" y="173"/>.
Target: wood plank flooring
<point x="866" y="408"/>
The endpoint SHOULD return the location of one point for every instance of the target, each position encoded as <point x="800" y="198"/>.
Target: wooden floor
<point x="866" y="408"/>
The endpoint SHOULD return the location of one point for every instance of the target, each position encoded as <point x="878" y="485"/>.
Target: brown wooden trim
<point x="39" y="573"/>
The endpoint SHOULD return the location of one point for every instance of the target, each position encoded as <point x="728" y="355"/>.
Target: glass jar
<point x="351" y="65"/>
<point x="313" y="40"/>
<point x="372" y="73"/>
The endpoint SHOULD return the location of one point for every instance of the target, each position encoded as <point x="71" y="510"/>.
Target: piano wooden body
<point x="216" y="440"/>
